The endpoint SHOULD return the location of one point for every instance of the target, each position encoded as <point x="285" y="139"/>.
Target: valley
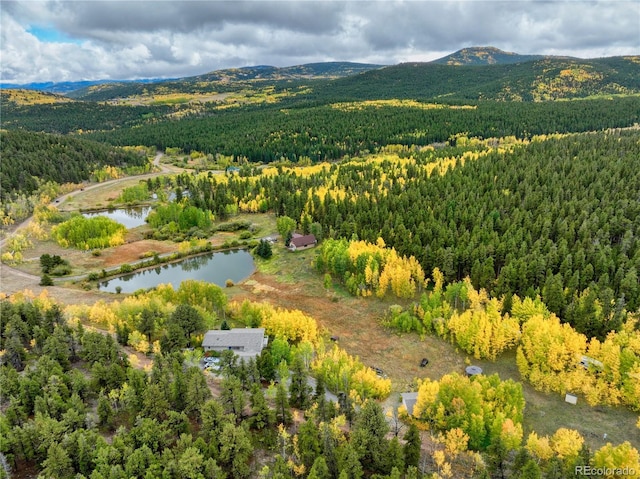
<point x="487" y="216"/>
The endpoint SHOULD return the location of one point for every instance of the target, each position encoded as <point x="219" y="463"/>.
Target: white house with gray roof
<point x="246" y="343"/>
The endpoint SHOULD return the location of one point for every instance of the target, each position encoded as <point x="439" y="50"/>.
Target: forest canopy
<point x="30" y="159"/>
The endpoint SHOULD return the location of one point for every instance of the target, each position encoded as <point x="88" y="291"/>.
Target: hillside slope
<point x="485" y="56"/>
<point x="227" y="80"/>
<point x="551" y="78"/>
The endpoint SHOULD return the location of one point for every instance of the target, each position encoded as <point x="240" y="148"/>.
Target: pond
<point x="214" y="268"/>
<point x="129" y="217"/>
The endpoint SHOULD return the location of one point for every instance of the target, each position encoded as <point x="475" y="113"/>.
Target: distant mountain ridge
<point x="486" y="56"/>
<point x="476" y="73"/>
<point x="69" y="86"/>
<point x="546" y="79"/>
<point x="323" y="70"/>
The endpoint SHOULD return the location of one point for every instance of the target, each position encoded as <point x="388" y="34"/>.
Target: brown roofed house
<point x="302" y="242"/>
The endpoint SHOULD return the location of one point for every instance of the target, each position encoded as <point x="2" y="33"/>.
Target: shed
<point x="473" y="370"/>
<point x="409" y="400"/>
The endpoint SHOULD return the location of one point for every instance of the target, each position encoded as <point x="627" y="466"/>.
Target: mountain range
<point x="479" y="73"/>
<point x="325" y="70"/>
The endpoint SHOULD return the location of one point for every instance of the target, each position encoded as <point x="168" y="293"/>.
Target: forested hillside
<point x="232" y="79"/>
<point x="485" y="56"/>
<point x="551" y="78"/>
<point x="73" y="117"/>
<point x="474" y="74"/>
<point x="30" y="159"/>
<point x="328" y="132"/>
<point x="557" y="216"/>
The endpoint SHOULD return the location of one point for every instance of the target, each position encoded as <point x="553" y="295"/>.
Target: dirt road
<point x="13" y="280"/>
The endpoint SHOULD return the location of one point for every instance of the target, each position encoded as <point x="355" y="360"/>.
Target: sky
<point x="95" y="40"/>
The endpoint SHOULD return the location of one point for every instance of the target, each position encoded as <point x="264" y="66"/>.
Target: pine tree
<point x="319" y="470"/>
<point x="283" y="413"/>
<point x="261" y="415"/>
<point x="368" y="436"/>
<point x="412" y="446"/>
<point x="299" y="389"/>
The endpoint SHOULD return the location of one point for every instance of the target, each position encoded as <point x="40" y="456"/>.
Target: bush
<point x="46" y="280"/>
<point x="245" y="235"/>
<point x="234" y="226"/>
<point x="61" y="270"/>
<point x="229" y="283"/>
<point x="48" y="263"/>
<point x="93" y="276"/>
<point x="126" y="268"/>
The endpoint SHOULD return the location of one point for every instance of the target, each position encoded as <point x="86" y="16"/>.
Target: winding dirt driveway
<point x="13" y="280"/>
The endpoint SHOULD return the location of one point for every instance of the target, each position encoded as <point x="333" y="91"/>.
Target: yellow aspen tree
<point x="566" y="443"/>
<point x="438" y="279"/>
<point x="539" y="447"/>
<point x="456" y="441"/>
<point x="623" y="457"/>
<point x="511" y="434"/>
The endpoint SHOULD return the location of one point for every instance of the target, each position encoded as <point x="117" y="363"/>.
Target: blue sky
<point x="51" y="35"/>
<point x="61" y="40"/>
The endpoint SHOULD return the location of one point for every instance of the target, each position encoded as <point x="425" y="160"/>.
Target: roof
<point x="301" y="241"/>
<point x="251" y="338"/>
<point x="473" y="370"/>
<point x="409" y="400"/>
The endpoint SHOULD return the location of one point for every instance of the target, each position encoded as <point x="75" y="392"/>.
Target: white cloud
<point x="138" y="39"/>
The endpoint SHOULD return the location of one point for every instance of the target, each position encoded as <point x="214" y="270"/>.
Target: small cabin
<point x="302" y="242"/>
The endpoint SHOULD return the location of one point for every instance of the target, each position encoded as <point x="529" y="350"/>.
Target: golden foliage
<point x="343" y="372"/>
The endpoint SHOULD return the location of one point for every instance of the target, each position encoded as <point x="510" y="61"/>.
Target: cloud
<point x="142" y="39"/>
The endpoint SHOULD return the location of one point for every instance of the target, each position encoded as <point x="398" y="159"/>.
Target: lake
<point x="214" y="268"/>
<point x="129" y="217"/>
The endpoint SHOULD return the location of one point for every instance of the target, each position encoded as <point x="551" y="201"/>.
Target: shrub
<point x="126" y="268"/>
<point x="61" y="270"/>
<point x="46" y="280"/>
<point x="229" y="283"/>
<point x="245" y="235"/>
<point x="264" y="249"/>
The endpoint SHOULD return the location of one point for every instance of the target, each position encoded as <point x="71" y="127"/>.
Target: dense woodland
<point x="329" y="132"/>
<point x="31" y="159"/>
<point x="557" y="217"/>
<point x="75" y="117"/>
